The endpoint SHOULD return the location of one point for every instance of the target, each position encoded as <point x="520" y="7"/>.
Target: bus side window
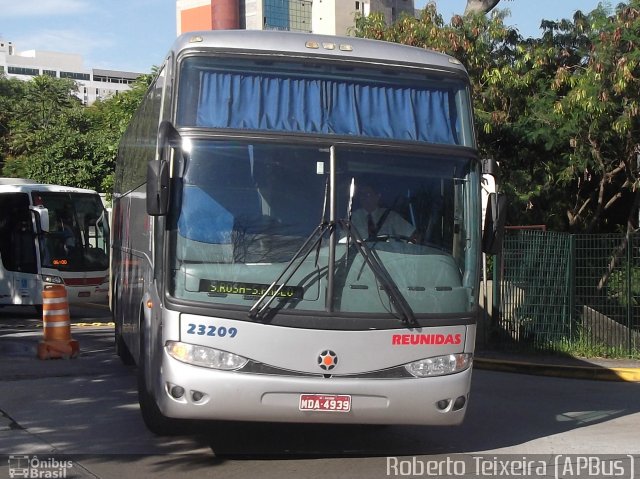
<point x="92" y="233"/>
<point x="22" y="246"/>
<point x="17" y="238"/>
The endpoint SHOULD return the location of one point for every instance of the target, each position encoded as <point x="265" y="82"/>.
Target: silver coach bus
<point x="297" y="233"/>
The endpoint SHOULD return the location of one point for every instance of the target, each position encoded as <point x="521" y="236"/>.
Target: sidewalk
<point x="559" y="365"/>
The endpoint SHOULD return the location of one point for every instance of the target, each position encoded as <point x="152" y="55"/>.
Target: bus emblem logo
<point x="327" y="360"/>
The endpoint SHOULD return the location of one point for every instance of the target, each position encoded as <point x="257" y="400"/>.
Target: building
<point x="93" y="84"/>
<point x="331" y="17"/>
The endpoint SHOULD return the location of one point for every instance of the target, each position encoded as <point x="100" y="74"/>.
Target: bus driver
<point x="373" y="221"/>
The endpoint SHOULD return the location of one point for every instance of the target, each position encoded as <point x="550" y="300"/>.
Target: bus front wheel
<point x="156" y="422"/>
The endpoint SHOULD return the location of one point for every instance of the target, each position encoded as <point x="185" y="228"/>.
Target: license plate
<point x="325" y="402"/>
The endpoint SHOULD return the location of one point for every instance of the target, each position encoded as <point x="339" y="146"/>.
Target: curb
<point x="577" y="372"/>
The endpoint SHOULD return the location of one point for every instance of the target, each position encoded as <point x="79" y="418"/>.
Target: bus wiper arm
<point x="380" y="272"/>
<point x="312" y="242"/>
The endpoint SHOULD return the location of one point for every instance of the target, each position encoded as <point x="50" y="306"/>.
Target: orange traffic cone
<point x="57" y="342"/>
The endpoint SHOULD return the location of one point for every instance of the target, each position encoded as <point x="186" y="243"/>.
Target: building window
<point x="108" y="79"/>
<point x="300" y="16"/>
<point x="276" y="14"/>
<point x="23" y="71"/>
<point x="50" y="73"/>
<point x="75" y="76"/>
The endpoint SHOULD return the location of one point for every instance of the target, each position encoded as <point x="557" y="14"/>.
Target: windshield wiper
<point x="311" y="243"/>
<point x="380" y="272"/>
<point x="315" y="240"/>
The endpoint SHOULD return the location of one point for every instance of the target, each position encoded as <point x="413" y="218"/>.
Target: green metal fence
<point x="565" y="292"/>
<point x="607" y="291"/>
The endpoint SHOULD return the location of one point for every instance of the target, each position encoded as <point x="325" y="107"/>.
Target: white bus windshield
<point x="323" y="99"/>
<point x="242" y="210"/>
<point x="78" y="234"/>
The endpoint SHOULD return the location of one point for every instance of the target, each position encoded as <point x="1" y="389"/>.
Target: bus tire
<point x="156" y="422"/>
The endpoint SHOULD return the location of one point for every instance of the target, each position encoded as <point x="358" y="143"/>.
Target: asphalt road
<point x="85" y="411"/>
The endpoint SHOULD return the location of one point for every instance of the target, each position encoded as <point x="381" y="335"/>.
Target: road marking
<point x="109" y="324"/>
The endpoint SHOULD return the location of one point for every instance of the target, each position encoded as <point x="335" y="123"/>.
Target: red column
<point x="225" y="14"/>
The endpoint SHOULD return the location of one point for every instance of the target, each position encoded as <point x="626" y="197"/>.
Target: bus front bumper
<point x="227" y="395"/>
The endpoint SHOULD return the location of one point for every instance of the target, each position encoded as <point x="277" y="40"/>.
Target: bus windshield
<point x="243" y="210"/>
<point x="78" y="234"/>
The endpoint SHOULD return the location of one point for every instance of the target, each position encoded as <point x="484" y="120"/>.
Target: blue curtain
<point x="326" y="106"/>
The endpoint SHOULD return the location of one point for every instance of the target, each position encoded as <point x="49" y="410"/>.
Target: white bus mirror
<point x="42" y="214"/>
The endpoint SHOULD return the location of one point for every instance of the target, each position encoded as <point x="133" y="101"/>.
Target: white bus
<point x="249" y="282"/>
<point x="52" y="234"/>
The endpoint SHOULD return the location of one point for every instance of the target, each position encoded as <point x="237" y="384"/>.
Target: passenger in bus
<point x="374" y="221"/>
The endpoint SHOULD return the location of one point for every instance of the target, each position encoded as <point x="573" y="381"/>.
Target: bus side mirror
<point x="158" y="170"/>
<point x="494" y="221"/>
<point x="157" y="188"/>
<point x="43" y="214"/>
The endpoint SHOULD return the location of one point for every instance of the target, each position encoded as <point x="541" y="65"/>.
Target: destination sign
<point x="216" y="287"/>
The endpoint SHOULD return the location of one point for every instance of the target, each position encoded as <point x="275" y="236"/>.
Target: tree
<point x="11" y="90"/>
<point x="34" y="124"/>
<point x="111" y="118"/>
<point x="591" y="115"/>
<point x="52" y="138"/>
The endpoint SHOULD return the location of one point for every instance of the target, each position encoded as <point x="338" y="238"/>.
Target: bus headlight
<point x="439" y="365"/>
<point x="49" y="278"/>
<point x="204" y="356"/>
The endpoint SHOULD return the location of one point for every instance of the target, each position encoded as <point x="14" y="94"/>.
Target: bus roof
<point x="17" y="185"/>
<point x="316" y="46"/>
<point x="16" y="181"/>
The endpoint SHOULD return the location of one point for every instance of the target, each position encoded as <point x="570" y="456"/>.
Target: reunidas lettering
<point x="421" y="339"/>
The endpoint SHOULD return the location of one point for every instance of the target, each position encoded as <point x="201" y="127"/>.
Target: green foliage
<point x="624" y="280"/>
<point x="10" y="91"/>
<point x="49" y="136"/>
<point x="584" y="347"/>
